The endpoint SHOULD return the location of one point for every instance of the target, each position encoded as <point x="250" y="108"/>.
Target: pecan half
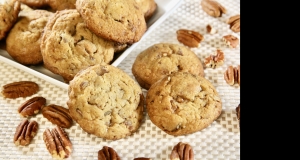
<point x="20" y="89"/>
<point x="231" y="41"/>
<point x="234" y="23"/>
<point x="108" y="153"/>
<point x="189" y="38"/>
<point x="182" y="151"/>
<point x="213" y="8"/>
<point x="58" y="115"/>
<point x="57" y="142"/>
<point x="25" y="132"/>
<point x="232" y="75"/>
<point x="31" y="106"/>
<point x="216" y="60"/>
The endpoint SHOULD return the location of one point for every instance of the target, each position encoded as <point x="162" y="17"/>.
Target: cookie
<point x="59" y="5"/>
<point x="162" y="59"/>
<point x="9" y="10"/>
<point x="23" y="40"/>
<point x="182" y="103"/>
<point x="148" y="7"/>
<point x="117" y="20"/>
<point x="67" y="45"/>
<point x="35" y="3"/>
<point x="106" y="102"/>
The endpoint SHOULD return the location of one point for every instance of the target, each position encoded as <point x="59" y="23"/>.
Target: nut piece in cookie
<point x="106" y="102"/>
<point x="215" y="60"/>
<point x="57" y="142"/>
<point x="58" y="115"/>
<point x="108" y="153"/>
<point x="182" y="151"/>
<point x="162" y="59"/>
<point x="31" y="106"/>
<point x="25" y="132"/>
<point x="20" y="89"/>
<point x="23" y="40"/>
<point x="231" y="41"/>
<point x="9" y="10"/>
<point x="182" y="103"/>
<point x="234" y="23"/>
<point x="189" y="38"/>
<point x="213" y="8"/>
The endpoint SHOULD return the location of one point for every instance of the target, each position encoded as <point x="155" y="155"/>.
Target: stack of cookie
<point x="67" y="36"/>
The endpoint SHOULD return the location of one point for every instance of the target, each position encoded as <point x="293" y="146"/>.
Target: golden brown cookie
<point x="35" y="3"/>
<point x="117" y="20"/>
<point x="59" y="5"/>
<point x="106" y="102"/>
<point x="9" y="10"/>
<point x="23" y="40"/>
<point x="148" y="7"/>
<point x="68" y="45"/>
<point x="162" y="59"/>
<point x="183" y="103"/>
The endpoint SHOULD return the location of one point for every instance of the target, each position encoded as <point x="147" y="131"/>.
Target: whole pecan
<point x="232" y="75"/>
<point x="108" y="153"/>
<point x="215" y="60"/>
<point x="213" y="8"/>
<point x="189" y="38"/>
<point x="58" y="115"/>
<point x="20" y="89"/>
<point x="182" y="151"/>
<point x="231" y="41"/>
<point x="31" y="106"/>
<point x="25" y="132"/>
<point x="234" y="23"/>
<point x="57" y="142"/>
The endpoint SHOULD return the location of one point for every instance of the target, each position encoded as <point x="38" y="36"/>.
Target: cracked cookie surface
<point x="117" y="20"/>
<point x="106" y="102"/>
<point x="182" y="103"/>
<point x="9" y="10"/>
<point x="162" y="59"/>
<point x="67" y="45"/>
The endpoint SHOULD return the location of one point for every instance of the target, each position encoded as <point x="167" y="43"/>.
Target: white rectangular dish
<point x="164" y="9"/>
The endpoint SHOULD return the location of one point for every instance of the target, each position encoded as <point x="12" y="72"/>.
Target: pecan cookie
<point x="35" y="3"/>
<point x="162" y="59"/>
<point x="106" y="102"/>
<point x="9" y="10"/>
<point x="148" y="7"/>
<point x="182" y="103"/>
<point x="67" y="45"/>
<point x="117" y="20"/>
<point x="23" y="40"/>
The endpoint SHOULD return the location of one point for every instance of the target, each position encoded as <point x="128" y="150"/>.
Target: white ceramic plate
<point x="164" y="9"/>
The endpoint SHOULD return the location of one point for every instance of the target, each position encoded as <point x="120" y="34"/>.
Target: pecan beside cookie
<point x="25" y="132"/>
<point x="234" y="23"/>
<point x="58" y="115"/>
<point x="31" y="106"/>
<point x="20" y="89"/>
<point x="182" y="151"/>
<point x="213" y="8"/>
<point x="215" y="60"/>
<point x="232" y="75"/>
<point x="108" y="153"/>
<point x="189" y="38"/>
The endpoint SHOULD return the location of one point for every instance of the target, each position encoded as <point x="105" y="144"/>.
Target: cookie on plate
<point x="117" y="20"/>
<point x="67" y="45"/>
<point x="162" y="59"/>
<point x="23" y="40"/>
<point x="148" y="7"/>
<point x="106" y="102"/>
<point x="9" y="10"/>
<point x="182" y="103"/>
